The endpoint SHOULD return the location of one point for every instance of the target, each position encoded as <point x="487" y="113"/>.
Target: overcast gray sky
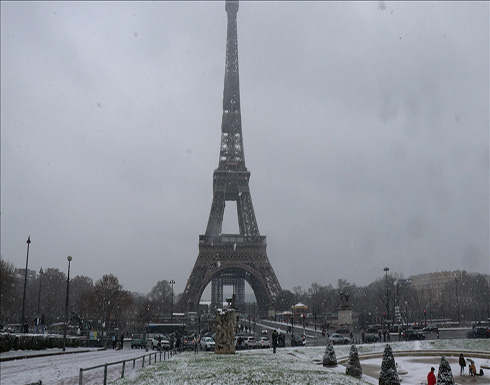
<point x="365" y="126"/>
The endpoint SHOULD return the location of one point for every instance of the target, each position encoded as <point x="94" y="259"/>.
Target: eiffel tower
<point x="232" y="259"/>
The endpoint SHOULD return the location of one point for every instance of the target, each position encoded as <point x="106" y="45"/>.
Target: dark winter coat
<point x="462" y="361"/>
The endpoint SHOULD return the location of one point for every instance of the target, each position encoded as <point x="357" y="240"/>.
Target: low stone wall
<point x="10" y="341"/>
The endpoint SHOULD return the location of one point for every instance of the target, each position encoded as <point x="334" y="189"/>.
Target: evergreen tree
<point x="329" y="358"/>
<point x="353" y="367"/>
<point x="445" y="375"/>
<point x="388" y="375"/>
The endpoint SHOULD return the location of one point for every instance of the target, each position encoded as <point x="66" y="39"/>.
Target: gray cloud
<point x="366" y="134"/>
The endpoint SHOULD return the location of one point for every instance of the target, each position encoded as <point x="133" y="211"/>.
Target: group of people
<point x="115" y="341"/>
<point x="471" y="367"/>
<point x="431" y="377"/>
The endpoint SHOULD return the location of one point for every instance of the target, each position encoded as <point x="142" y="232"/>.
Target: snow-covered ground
<point x="64" y="369"/>
<point x="302" y="366"/>
<point x="288" y="366"/>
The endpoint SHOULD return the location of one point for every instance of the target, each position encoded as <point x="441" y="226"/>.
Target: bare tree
<point x="111" y="301"/>
<point x="9" y="294"/>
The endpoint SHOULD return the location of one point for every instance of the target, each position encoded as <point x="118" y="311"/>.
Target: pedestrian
<point x="399" y="333"/>
<point x="462" y="364"/>
<point x="122" y="340"/>
<point x="42" y="323"/>
<point x="195" y="344"/>
<point x="431" y="377"/>
<point x="37" y="322"/>
<point x="113" y="341"/>
<point x="363" y="335"/>
<point x="274" y="340"/>
<point x="472" y="369"/>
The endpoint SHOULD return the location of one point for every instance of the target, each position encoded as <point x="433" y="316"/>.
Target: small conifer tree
<point x="353" y="367"/>
<point x="445" y="375"/>
<point x="329" y="358"/>
<point x="389" y="374"/>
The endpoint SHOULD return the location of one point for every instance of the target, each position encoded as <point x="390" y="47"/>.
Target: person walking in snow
<point x="274" y="340"/>
<point x="195" y="344"/>
<point x="462" y="364"/>
<point x="431" y="377"/>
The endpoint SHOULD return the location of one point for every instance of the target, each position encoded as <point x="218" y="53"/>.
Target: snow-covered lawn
<point x="301" y="366"/>
<point x="288" y="366"/>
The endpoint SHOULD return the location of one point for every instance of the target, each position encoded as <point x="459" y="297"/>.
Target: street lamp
<point x="172" y="282"/>
<point x="25" y="284"/>
<point x="292" y="322"/>
<point x="41" y="272"/>
<point x="406" y="311"/>
<point x="386" y="269"/>
<point x="66" y="307"/>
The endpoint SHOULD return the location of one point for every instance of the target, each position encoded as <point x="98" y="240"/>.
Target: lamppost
<point x="66" y="306"/>
<point x="386" y="269"/>
<point x="406" y="311"/>
<point x="25" y="284"/>
<point x="314" y="316"/>
<point x="172" y="282"/>
<point x="41" y="272"/>
<point x="292" y="323"/>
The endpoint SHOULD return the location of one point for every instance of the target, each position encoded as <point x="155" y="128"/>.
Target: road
<point x="315" y="338"/>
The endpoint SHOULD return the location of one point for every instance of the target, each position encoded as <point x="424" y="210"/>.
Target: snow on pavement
<point x="64" y="369"/>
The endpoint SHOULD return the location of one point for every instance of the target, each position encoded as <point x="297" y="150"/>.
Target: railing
<point x="166" y="356"/>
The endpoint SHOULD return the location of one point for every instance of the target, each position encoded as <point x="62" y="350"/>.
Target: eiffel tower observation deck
<point x="232" y="259"/>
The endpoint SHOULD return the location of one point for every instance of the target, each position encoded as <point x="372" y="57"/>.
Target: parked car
<point x="250" y="342"/>
<point x="342" y="330"/>
<point x="411" y="334"/>
<point x="160" y="342"/>
<point x="298" y="340"/>
<point x="13" y="328"/>
<point x="138" y="341"/>
<point x="263" y="342"/>
<point x="371" y="335"/>
<point x="478" y="332"/>
<point x="430" y="329"/>
<point x="189" y="342"/>
<point x="239" y="341"/>
<point x="207" y="343"/>
<point x="339" y="339"/>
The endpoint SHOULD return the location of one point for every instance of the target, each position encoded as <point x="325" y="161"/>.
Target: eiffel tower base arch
<point x="219" y="260"/>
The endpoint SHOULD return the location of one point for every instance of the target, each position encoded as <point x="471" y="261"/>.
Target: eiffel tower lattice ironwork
<point x="232" y="259"/>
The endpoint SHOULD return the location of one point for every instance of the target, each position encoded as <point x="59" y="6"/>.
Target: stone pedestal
<point x="225" y="331"/>
<point x="345" y="316"/>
